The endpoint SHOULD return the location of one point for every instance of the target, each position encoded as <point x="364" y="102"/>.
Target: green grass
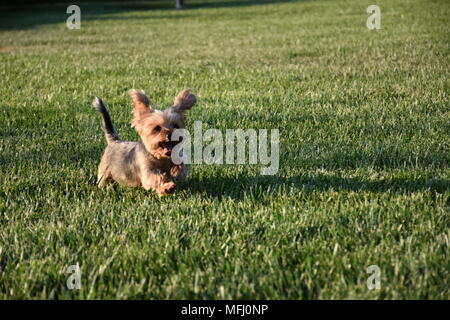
<point x="364" y="168"/>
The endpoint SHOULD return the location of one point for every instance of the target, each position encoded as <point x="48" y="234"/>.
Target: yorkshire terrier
<point x="147" y="163"/>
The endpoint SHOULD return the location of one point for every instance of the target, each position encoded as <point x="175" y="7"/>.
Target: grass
<point x="364" y="167"/>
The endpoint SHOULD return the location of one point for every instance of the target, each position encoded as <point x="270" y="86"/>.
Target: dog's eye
<point x="157" y="129"/>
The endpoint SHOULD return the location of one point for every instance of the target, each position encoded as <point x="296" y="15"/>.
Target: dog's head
<point x="155" y="127"/>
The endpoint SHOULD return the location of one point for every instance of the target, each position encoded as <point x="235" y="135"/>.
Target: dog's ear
<point x="140" y="102"/>
<point x="184" y="101"/>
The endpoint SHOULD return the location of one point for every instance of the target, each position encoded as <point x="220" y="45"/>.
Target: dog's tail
<point x="110" y="133"/>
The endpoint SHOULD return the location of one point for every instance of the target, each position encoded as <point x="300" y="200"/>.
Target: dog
<point x="146" y="163"/>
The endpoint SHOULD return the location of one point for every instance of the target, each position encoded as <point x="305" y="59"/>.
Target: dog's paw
<point x="166" y="188"/>
<point x="176" y="171"/>
<point x="179" y="172"/>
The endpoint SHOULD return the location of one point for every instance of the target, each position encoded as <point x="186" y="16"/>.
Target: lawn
<point x="364" y="174"/>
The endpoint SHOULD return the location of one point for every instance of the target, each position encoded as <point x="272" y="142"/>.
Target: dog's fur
<point x="148" y="162"/>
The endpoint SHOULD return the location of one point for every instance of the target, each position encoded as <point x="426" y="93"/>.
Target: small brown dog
<point x="146" y="163"/>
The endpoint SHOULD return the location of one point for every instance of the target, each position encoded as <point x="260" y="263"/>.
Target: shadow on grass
<point x="258" y="187"/>
<point x="20" y="16"/>
<point x="73" y="154"/>
<point x="239" y="187"/>
<point x="63" y="156"/>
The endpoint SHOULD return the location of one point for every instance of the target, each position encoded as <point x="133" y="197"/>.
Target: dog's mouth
<point x="167" y="147"/>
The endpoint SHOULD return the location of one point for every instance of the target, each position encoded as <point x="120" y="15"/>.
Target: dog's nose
<point x="169" y="135"/>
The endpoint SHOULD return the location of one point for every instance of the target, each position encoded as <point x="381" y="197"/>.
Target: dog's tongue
<point x="167" y="150"/>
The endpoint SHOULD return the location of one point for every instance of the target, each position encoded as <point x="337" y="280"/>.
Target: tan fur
<point x="146" y="163"/>
<point x="184" y="100"/>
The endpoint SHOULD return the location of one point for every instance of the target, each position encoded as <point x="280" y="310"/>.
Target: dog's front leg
<point x="157" y="181"/>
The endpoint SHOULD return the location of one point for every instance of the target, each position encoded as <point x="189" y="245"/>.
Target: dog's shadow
<point x="260" y="187"/>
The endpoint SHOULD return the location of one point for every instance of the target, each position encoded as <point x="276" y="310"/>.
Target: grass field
<point x="364" y="136"/>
